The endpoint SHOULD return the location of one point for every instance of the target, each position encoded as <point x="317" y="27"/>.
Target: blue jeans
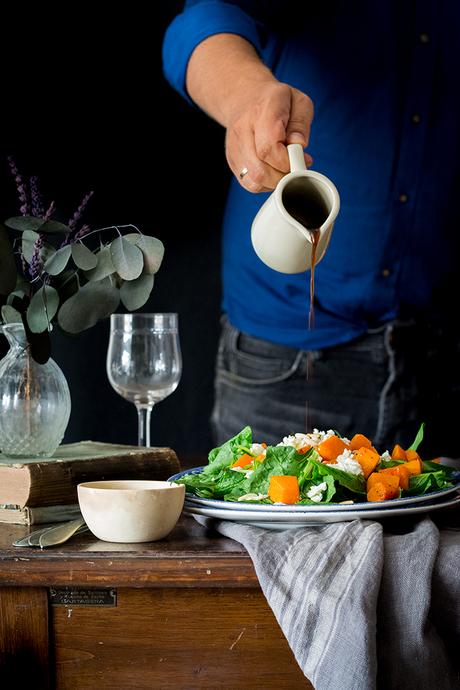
<point x="383" y="384"/>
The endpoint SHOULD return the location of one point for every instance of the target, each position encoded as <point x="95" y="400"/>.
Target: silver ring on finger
<point x="243" y="172"/>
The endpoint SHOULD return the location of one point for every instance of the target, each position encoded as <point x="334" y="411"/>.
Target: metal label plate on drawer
<point x="71" y="596"/>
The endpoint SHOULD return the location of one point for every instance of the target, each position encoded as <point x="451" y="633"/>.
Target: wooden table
<point x="183" y="613"/>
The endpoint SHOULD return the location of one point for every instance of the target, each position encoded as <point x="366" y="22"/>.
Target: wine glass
<point x="144" y="362"/>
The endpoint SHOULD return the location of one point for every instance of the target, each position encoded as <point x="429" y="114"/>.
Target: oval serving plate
<point x="327" y="507"/>
<point x="291" y="520"/>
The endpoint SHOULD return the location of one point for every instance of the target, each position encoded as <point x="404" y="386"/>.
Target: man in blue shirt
<point x="380" y="80"/>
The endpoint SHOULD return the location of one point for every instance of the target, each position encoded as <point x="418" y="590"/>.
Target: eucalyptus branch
<point x="113" y="227"/>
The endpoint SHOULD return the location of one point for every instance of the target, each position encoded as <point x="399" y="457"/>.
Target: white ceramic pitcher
<point x="303" y="200"/>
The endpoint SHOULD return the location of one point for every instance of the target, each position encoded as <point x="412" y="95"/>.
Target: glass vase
<point x="34" y="401"/>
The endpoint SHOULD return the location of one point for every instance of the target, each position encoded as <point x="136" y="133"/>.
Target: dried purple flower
<point x="84" y="230"/>
<point x="20" y="186"/>
<point x="49" y="212"/>
<point x="73" y="222"/>
<point x="36" y="198"/>
<point x="35" y="262"/>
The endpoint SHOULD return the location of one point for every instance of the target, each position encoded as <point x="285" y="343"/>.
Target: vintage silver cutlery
<point x="51" y="536"/>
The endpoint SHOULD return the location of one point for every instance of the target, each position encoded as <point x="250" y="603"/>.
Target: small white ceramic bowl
<point x="130" y="510"/>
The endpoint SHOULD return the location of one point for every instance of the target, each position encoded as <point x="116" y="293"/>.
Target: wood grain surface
<point x="174" y="638"/>
<point x="191" y="556"/>
<point x="24" y="643"/>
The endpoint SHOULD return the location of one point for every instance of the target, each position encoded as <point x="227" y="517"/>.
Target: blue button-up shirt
<point x="384" y="79"/>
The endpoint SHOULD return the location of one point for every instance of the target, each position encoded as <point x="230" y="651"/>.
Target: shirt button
<point x="403" y="198"/>
<point x="386" y="272"/>
<point x="416" y="119"/>
<point x="424" y="38"/>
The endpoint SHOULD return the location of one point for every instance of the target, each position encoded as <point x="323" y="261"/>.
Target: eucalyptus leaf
<point x="15" y="293"/>
<point x="21" y="284"/>
<point x="135" y="293"/>
<point x="152" y="249"/>
<point x="57" y="263"/>
<point x="42" y="308"/>
<point x="127" y="258"/>
<point x="104" y="266"/>
<point x="10" y="314"/>
<point x="29" y="237"/>
<point x="7" y="263"/>
<point x="83" y="257"/>
<point x="92" y="302"/>
<point x="66" y="283"/>
<point x="19" y="300"/>
<point x="40" y="343"/>
<point x="53" y="226"/>
<point x="22" y="223"/>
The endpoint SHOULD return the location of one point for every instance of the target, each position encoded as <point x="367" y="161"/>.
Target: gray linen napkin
<point x="362" y="609"/>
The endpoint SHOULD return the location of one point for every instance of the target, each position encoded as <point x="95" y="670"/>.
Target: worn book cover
<point x="39" y="515"/>
<point x="53" y="481"/>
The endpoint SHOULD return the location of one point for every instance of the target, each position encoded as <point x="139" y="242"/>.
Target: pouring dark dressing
<point x="306" y="205"/>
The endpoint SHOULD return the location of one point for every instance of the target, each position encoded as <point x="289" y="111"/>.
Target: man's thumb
<point x="296" y="138"/>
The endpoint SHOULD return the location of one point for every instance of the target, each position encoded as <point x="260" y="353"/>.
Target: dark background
<point x="86" y="107"/>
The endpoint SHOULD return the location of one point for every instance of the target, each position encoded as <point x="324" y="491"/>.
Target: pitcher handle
<point x="296" y="158"/>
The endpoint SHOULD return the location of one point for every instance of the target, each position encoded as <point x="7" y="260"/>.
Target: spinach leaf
<point x="429" y="481"/>
<point x="212" y="486"/>
<point x="435" y="467"/>
<point x="327" y="494"/>
<point x="279" y="460"/>
<point x="419" y="438"/>
<point x="224" y="455"/>
<point x="354" y="482"/>
<point x="383" y="464"/>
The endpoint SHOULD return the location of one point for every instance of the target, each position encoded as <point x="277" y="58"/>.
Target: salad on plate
<point x="315" y="468"/>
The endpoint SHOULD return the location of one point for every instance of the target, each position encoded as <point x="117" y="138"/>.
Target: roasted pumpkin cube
<point x="284" y="489"/>
<point x="368" y="459"/>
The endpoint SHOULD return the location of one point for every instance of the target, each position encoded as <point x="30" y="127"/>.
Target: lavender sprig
<point x="36" y="198"/>
<point x="49" y="211"/>
<point x="84" y="230"/>
<point x="73" y="222"/>
<point x="20" y="186"/>
<point x="35" y="262"/>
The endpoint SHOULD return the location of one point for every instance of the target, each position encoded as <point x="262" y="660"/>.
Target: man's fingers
<point x="300" y="119"/>
<point x="256" y="141"/>
<point x="270" y="128"/>
<point x="241" y="155"/>
<point x="269" y="140"/>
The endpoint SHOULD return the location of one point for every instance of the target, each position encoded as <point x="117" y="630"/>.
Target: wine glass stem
<point x="143" y="416"/>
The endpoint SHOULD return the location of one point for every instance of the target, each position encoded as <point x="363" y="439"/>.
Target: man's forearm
<point x="221" y="72"/>
<point x="229" y="81"/>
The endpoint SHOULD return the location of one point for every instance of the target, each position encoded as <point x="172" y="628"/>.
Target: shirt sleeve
<point x="198" y="21"/>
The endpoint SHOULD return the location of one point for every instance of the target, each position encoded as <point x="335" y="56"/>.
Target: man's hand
<point x="272" y="116"/>
<point x="226" y="78"/>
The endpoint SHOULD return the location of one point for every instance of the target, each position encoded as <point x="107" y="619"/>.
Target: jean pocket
<point x="246" y="360"/>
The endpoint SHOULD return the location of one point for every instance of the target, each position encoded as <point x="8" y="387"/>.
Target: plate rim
<point x="300" y="509"/>
<point x="248" y="517"/>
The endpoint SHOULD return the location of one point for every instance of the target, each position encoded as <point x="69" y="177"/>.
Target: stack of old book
<point x="45" y="490"/>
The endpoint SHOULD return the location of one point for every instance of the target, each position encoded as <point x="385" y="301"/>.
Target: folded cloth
<point x="362" y="608"/>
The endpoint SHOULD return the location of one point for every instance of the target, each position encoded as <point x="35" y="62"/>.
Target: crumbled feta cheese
<point x="253" y="497"/>
<point x="315" y="493"/>
<point x="248" y="473"/>
<point x="297" y="440"/>
<point x="346" y="462"/>
<point x="385" y="456"/>
<point x="258" y="449"/>
<point x="316" y="437"/>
